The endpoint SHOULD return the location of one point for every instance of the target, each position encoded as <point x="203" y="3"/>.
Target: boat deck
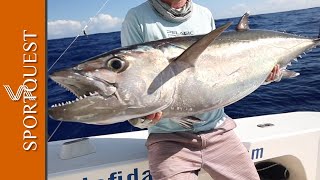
<point x="128" y="148"/>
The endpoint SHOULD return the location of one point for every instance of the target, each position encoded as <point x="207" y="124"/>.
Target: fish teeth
<point x="295" y="59"/>
<point x="300" y="56"/>
<point x="63" y="103"/>
<point x="75" y="100"/>
<point x="66" y="88"/>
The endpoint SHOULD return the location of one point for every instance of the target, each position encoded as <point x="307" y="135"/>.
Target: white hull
<point x="293" y="141"/>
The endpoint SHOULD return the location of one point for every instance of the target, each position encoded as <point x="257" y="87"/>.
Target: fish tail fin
<point x="317" y="40"/>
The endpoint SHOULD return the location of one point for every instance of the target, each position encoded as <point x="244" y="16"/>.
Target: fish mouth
<point x="83" y="87"/>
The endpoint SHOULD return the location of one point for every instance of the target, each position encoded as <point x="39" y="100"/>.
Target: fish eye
<point x="116" y="65"/>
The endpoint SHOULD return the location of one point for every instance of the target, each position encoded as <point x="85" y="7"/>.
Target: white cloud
<point x="283" y="5"/>
<point x="63" y="28"/>
<point x="261" y="7"/>
<point x="101" y="23"/>
<point x="104" y="23"/>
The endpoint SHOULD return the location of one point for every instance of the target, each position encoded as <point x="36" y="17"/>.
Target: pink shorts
<point x="181" y="155"/>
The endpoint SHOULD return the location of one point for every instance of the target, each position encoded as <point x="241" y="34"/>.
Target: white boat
<point x="290" y="141"/>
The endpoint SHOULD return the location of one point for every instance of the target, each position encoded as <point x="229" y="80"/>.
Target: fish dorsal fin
<point x="243" y="24"/>
<point x="191" y="54"/>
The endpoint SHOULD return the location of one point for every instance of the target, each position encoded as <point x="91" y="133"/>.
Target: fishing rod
<point x="74" y="40"/>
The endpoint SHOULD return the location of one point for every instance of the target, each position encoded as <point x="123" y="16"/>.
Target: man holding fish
<point x="177" y="78"/>
<point x="176" y="152"/>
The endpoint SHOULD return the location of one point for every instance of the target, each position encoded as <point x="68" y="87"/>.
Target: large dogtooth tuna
<point x="180" y="76"/>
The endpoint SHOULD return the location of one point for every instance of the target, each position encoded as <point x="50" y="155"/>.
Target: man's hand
<point x="154" y="118"/>
<point x="146" y="122"/>
<point x="275" y="74"/>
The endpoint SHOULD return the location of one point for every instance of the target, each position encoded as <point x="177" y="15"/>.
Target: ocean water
<point x="297" y="94"/>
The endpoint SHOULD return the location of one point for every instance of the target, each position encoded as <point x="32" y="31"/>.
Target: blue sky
<point x="66" y="18"/>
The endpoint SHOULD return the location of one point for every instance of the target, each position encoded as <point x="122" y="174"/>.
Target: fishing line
<point x="64" y="52"/>
<point x="84" y="32"/>
<point x="54" y="131"/>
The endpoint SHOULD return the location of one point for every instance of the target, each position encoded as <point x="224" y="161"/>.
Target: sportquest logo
<point x="16" y="96"/>
<point x="27" y="91"/>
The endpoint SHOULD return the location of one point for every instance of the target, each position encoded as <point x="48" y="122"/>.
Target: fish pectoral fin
<point x="243" y="24"/>
<point x="187" y="122"/>
<point x="191" y="54"/>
